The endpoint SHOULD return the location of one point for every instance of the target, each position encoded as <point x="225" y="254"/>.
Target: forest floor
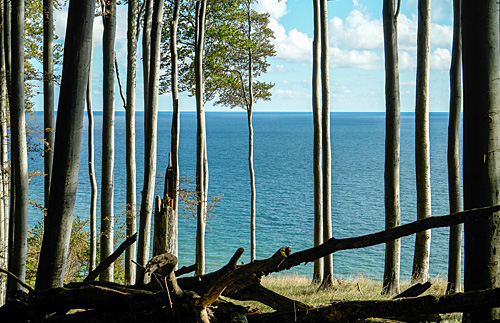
<point x="352" y="288"/>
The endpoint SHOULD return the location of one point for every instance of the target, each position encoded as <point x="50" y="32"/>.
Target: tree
<point x="132" y="35"/>
<point x="481" y="176"/>
<point x="422" y="151"/>
<point x="4" y="227"/>
<point x="392" y="146"/>
<point x="317" y="168"/>
<point x="246" y="44"/>
<point x="327" y="149"/>
<point x="18" y="144"/>
<point x="172" y="245"/>
<point x="108" y="137"/>
<point x="150" y="145"/>
<point x="67" y="144"/>
<point x="454" y="262"/>
<point x="48" y="92"/>
<point x="201" y="146"/>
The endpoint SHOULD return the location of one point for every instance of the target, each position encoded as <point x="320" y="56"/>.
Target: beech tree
<point x="481" y="176"/>
<point x="392" y="146"/>
<point x="67" y="144"/>
<point x="108" y="136"/>
<point x="4" y="227"/>
<point x="317" y="166"/>
<point x="455" y="196"/>
<point x="422" y="146"/>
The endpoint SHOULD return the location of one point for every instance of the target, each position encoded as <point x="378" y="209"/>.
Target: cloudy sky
<point x="356" y="56"/>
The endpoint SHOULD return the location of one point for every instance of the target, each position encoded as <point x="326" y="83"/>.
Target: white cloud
<point x="294" y="45"/>
<point x="406" y="61"/>
<point x="276" y="8"/>
<point x="440" y="59"/>
<point x="354" y="58"/>
<point x="359" y="31"/>
<point x="441" y="35"/>
<point x="286" y="93"/>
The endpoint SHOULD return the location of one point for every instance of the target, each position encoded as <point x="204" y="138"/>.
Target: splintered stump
<point x="170" y="298"/>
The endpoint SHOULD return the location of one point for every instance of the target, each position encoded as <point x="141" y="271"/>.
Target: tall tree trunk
<point x="4" y="229"/>
<point x="454" y="261"/>
<point x="327" y="149"/>
<point x="200" y="138"/>
<point x="48" y="92"/>
<point x="108" y="136"/>
<point x="317" y="169"/>
<point x="18" y="143"/>
<point x="481" y="77"/>
<point x="172" y="240"/>
<point x="250" y="137"/>
<point x="92" y="179"/>
<point x="392" y="147"/>
<point x="130" y="141"/>
<point x="69" y="125"/>
<point x="150" y="145"/>
<point x="146" y="55"/>
<point x="422" y="150"/>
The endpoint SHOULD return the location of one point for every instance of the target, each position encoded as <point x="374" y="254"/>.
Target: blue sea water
<point x="284" y="182"/>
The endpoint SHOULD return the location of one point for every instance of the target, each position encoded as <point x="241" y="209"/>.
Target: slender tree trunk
<point x="454" y="261"/>
<point x="422" y="150"/>
<point x="392" y="147"/>
<point x="481" y="77"/>
<point x="130" y="141"/>
<point x="7" y="42"/>
<point x="18" y="143"/>
<point x="69" y="125"/>
<point x="4" y="229"/>
<point x="108" y="137"/>
<point x="146" y="55"/>
<point x="250" y="137"/>
<point x="317" y="169"/>
<point x="200" y="138"/>
<point x="172" y="240"/>
<point x="48" y="92"/>
<point x="92" y="179"/>
<point x="150" y="146"/>
<point x="327" y="150"/>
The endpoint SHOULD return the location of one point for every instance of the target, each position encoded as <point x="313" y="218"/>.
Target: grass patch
<point x="351" y="288"/>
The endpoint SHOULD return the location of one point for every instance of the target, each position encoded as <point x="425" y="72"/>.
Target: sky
<point x="355" y="52"/>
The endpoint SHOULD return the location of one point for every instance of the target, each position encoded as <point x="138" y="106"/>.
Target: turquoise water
<point x="284" y="182"/>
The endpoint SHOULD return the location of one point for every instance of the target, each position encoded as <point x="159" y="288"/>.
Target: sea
<point x="283" y="150"/>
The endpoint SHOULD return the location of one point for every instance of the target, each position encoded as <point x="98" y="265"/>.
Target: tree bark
<point x="4" y="228"/>
<point x="150" y="145"/>
<point x="130" y="254"/>
<point x="481" y="68"/>
<point x="392" y="147"/>
<point x="18" y="143"/>
<point x="172" y="239"/>
<point x="67" y="145"/>
<point x="317" y="169"/>
<point x="48" y="92"/>
<point x="146" y="54"/>
<point x="92" y="179"/>
<point x="327" y="149"/>
<point x="454" y="189"/>
<point x="200" y="138"/>
<point x="420" y="271"/>
<point x="108" y="137"/>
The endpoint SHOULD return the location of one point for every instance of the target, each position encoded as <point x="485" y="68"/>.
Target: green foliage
<point x="228" y="46"/>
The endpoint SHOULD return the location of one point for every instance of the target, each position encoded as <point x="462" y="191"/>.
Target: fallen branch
<point x="20" y="282"/>
<point x="109" y="260"/>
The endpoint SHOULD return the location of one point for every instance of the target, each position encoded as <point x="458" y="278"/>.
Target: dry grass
<point x="301" y="289"/>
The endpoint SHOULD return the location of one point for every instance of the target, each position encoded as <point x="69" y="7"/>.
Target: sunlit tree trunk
<point x="481" y="86"/>
<point x="327" y="150"/>
<point x="172" y="242"/>
<point x="200" y="138"/>
<point x="48" y="92"/>
<point x="455" y="197"/>
<point x="392" y="147"/>
<point x="146" y="55"/>
<point x="422" y="145"/>
<point x="18" y="144"/>
<point x="92" y="179"/>
<point x="317" y="169"/>
<point x="130" y="139"/>
<point x="4" y="229"/>
<point x="150" y="145"/>
<point x="108" y="137"/>
<point x="78" y="44"/>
